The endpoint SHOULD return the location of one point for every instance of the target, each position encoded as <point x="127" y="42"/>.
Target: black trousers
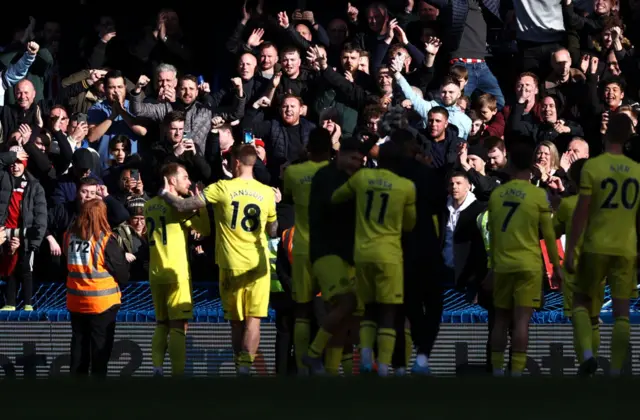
<point x="92" y="338"/>
<point x="284" y="306"/>
<point x="423" y="305"/>
<point x="23" y="272"/>
<point x="285" y="320"/>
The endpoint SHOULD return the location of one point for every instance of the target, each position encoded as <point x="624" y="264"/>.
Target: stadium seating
<point x="50" y="304"/>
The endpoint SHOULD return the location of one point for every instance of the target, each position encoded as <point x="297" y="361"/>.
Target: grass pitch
<point x="319" y="398"/>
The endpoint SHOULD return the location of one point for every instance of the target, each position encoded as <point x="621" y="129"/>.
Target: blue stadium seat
<point x="50" y="305"/>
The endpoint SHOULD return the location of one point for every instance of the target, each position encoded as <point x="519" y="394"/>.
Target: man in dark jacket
<point x="65" y="190"/>
<point x="285" y="138"/>
<point x="421" y="247"/>
<point x="61" y="216"/>
<point x="23" y="212"/>
<point x="443" y="137"/>
<point x="177" y="148"/>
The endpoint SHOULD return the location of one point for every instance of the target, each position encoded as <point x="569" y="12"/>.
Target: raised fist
<point x="33" y="48"/>
<point x="142" y="82"/>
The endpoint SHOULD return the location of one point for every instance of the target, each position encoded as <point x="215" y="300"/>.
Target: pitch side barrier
<point x="36" y="344"/>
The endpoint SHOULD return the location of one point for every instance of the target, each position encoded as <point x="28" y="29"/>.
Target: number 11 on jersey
<point x="384" y="197"/>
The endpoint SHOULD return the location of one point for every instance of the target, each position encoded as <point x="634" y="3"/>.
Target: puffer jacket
<point x="33" y="206"/>
<point x="198" y="116"/>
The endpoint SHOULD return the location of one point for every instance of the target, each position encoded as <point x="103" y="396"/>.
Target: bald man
<point x="24" y="111"/>
<point x="254" y="87"/>
<point x="579" y="147"/>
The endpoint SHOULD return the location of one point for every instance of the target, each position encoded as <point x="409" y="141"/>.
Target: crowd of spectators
<point x="467" y="78"/>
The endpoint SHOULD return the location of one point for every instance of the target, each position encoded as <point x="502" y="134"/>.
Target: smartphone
<point x="135" y="174"/>
<point x="248" y="136"/>
<point x="81" y="117"/>
<point x="188" y="144"/>
<point x="200" y="80"/>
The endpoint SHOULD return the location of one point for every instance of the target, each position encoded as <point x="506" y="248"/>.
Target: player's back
<point x="297" y="184"/>
<point x="515" y="209"/>
<point x="382" y="198"/>
<point x="242" y="209"/>
<point x="168" y="257"/>
<point x="613" y="181"/>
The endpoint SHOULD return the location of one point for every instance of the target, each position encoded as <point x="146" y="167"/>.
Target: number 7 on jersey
<point x="513" y="206"/>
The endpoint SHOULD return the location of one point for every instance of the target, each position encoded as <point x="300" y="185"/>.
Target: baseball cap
<point x="18" y="149"/>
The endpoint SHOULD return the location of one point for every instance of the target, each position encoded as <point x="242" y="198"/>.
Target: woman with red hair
<point x="97" y="268"/>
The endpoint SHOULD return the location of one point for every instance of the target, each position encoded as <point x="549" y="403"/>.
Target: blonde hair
<point x="553" y="151"/>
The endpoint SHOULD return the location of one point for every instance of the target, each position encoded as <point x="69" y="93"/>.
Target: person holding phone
<point x="131" y="186"/>
<point x="179" y="147"/>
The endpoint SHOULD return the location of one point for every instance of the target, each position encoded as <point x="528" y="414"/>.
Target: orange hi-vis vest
<point x="91" y="289"/>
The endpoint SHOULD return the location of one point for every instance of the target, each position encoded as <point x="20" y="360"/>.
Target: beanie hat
<point x="478" y="150"/>
<point x="135" y="203"/>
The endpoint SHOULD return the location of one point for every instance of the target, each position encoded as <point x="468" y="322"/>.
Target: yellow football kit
<point x="169" y="275"/>
<point x="242" y="208"/>
<point x="610" y="238"/>
<point x="385" y="206"/>
<point x="517" y="210"/>
<point x="562" y="223"/>
<point x="297" y="185"/>
<point x="335" y="276"/>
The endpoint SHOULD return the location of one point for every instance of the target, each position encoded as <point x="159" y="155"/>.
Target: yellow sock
<point x="319" y="343"/>
<point x="386" y="343"/>
<point x="332" y="357"/>
<point x="245" y="359"/>
<point x="159" y="343"/>
<point x="497" y="360"/>
<point x="582" y="331"/>
<point x="347" y="363"/>
<point x="301" y="336"/>
<point x="408" y="346"/>
<point x="595" y="339"/>
<point x="368" y="331"/>
<point x="518" y="361"/>
<point x="177" y="350"/>
<point x="619" y="342"/>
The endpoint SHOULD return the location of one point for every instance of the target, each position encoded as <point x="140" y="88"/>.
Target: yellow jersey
<point x="297" y="185"/>
<point x="563" y="218"/>
<point x="167" y="231"/>
<point x="242" y="208"/>
<point x="385" y="206"/>
<point x="517" y="211"/>
<point x="613" y="182"/>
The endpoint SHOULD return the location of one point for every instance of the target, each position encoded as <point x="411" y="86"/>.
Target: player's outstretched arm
<point x="194" y="202"/>
<point x="184" y="204"/>
<point x="344" y="193"/>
